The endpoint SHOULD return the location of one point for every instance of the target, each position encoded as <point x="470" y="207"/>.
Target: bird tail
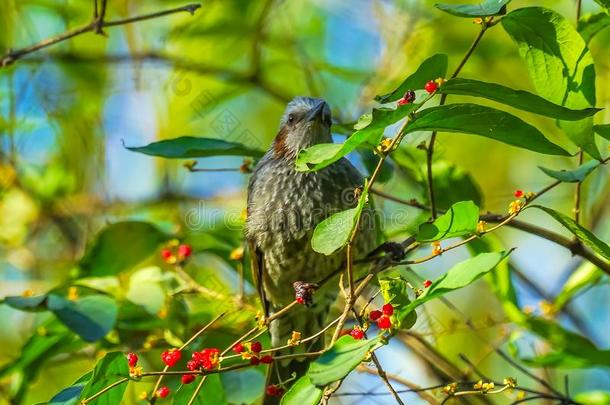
<point x="307" y="321"/>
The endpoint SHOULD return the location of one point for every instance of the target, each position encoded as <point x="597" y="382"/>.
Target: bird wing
<point x="257" y="263"/>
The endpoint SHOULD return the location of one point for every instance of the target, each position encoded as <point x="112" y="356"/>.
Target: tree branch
<point x="96" y="25"/>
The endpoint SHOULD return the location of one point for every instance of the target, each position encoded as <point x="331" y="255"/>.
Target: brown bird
<point x="284" y="207"/>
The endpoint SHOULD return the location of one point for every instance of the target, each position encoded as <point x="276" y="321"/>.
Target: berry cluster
<point x="383" y="317"/>
<point x="175" y="253"/>
<point x="171" y="357"/>
<point x="208" y="359"/>
<point x="132" y="359"/>
<point x="252" y="350"/>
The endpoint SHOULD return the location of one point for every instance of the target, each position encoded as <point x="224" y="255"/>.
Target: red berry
<point x="171" y="357"/>
<point x="374" y="315"/>
<point x="431" y="86"/>
<point x="300" y="300"/>
<point x="132" y="359"/>
<point x="388" y="309"/>
<point x="267" y="359"/>
<point x="185" y="251"/>
<point x="357" y="333"/>
<point x="255" y="361"/>
<point x="193" y="365"/>
<point x="274" y="391"/>
<point x="166" y="254"/>
<point x="384" y="323"/>
<point x="519" y="193"/>
<point x="427" y="283"/>
<point x="163" y="392"/>
<point x="188" y="378"/>
<point x="256" y="347"/>
<point x="403" y="101"/>
<point x="238" y="348"/>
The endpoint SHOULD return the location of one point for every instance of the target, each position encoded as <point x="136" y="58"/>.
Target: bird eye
<point x="290" y="118"/>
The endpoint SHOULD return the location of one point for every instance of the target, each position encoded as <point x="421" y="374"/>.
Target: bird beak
<point x="316" y="113"/>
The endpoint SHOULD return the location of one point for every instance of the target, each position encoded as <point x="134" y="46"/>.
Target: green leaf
<point x="584" y="235"/>
<point x="340" y="359"/>
<point x="484" y="9"/>
<point x="90" y="317"/>
<point x="430" y="69"/>
<point x="572" y="176"/>
<point x="334" y="232"/>
<point x="111" y="368"/>
<point x="192" y="147"/>
<point x="593" y="398"/>
<point x="302" y="392"/>
<point x="571" y="350"/>
<point x="604" y="3"/>
<point x="34" y="303"/>
<point x="71" y="394"/>
<point x="591" y="24"/>
<point x="460" y="275"/>
<point x="212" y="392"/>
<point x="587" y="274"/>
<point x="487" y="122"/>
<point x="319" y="156"/>
<point x="461" y="219"/>
<point x="602" y="130"/>
<point x="520" y="99"/>
<point x="50" y="339"/>
<point x="559" y="64"/>
<point x="243" y="386"/>
<point x="395" y="292"/>
<point x="119" y="247"/>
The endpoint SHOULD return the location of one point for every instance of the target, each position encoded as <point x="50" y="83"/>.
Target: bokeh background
<point x="227" y="72"/>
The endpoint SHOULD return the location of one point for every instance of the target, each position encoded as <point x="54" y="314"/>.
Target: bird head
<point x="305" y="122"/>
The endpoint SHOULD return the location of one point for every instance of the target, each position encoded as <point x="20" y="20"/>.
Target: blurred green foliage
<point x="226" y="73"/>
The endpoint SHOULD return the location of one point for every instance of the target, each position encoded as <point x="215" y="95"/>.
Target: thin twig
<point x="188" y="342"/>
<point x="430" y="147"/>
<point x="93" y="26"/>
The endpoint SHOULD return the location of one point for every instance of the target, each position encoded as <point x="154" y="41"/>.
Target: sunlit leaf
<point x="559" y="64"/>
<point x="484" y="9"/>
<point x="586" y="275"/>
<point x="395" y="292"/>
<point x="192" y="147"/>
<point x="340" y="359"/>
<point x="460" y="275"/>
<point x="593" y="398"/>
<point x="487" y="122"/>
<point x="591" y="24"/>
<point x="602" y="130"/>
<point x="520" y="99"/>
<point x="302" y="392"/>
<point x="461" y="219"/>
<point x="119" y="247"/>
<point x="572" y="176"/>
<point x="333" y="233"/>
<point x="371" y="130"/>
<point x="430" y="69"/>
<point x="583" y="234"/>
